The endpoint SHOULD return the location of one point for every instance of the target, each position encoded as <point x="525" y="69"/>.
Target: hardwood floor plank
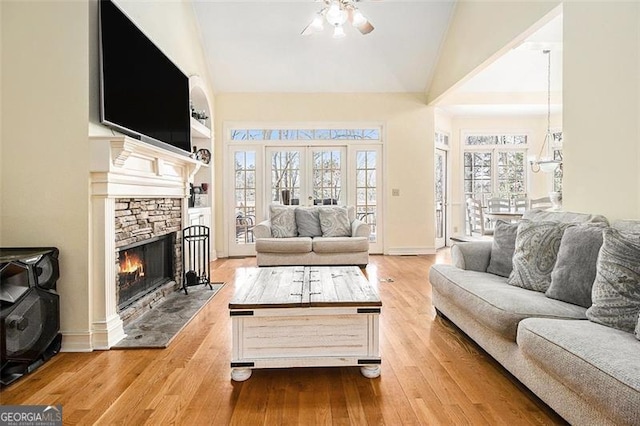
<point x="432" y="373"/>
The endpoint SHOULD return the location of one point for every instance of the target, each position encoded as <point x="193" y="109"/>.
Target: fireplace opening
<point x="143" y="267"/>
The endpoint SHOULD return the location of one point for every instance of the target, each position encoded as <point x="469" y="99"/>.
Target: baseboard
<point x="410" y="251"/>
<point x="76" y="341"/>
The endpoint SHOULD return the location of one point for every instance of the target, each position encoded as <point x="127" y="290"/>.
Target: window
<point x="556" y="145"/>
<point x="495" y="166"/>
<point x="367" y="134"/>
<point x="245" y="196"/>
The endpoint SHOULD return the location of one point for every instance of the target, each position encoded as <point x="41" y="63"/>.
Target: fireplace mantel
<point x="123" y="167"/>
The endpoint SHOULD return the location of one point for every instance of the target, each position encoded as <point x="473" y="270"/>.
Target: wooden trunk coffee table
<point x="319" y="316"/>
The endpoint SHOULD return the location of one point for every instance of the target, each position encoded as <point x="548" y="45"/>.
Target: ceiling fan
<point x="336" y="13"/>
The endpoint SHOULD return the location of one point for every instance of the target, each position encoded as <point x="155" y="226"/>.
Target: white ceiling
<point x="256" y="46"/>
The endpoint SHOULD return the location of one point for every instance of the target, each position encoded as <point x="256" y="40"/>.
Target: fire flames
<point x="131" y="264"/>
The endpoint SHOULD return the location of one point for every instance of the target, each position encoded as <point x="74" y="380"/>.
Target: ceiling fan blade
<point x="365" y="28"/>
<point x="307" y="30"/>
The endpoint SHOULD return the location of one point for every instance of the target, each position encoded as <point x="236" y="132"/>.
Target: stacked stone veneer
<point x="137" y="220"/>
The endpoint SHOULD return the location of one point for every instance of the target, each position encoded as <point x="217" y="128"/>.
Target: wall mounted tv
<point x="142" y="93"/>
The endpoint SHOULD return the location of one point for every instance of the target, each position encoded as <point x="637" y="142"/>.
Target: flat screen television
<point x="142" y="93"/>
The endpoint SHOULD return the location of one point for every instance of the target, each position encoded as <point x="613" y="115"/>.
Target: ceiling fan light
<point x="338" y="32"/>
<point x="358" y="18"/>
<point x="336" y="15"/>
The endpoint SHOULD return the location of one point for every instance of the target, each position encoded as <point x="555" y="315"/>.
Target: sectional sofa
<point x="555" y="299"/>
<point x="317" y="235"/>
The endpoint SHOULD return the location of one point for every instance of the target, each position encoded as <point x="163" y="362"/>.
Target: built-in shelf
<point x="199" y="130"/>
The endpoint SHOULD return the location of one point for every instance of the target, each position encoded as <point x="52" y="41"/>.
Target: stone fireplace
<point x="138" y="195"/>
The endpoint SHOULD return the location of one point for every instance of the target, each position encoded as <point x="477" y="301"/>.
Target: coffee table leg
<point x="240" y="374"/>
<point x="370" y="371"/>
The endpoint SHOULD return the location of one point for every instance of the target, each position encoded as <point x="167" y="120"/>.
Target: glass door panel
<point x="367" y="193"/>
<point x="286" y="168"/>
<point x="441" y="197"/>
<point x="326" y="180"/>
<point x="243" y="201"/>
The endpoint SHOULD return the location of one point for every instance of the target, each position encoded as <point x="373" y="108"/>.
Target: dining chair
<point x="475" y="216"/>
<point x="498" y="204"/>
<point x="520" y="204"/>
<point x="540" y="203"/>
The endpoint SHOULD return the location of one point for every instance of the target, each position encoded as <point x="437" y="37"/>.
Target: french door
<point x="300" y="175"/>
<point x="441" y="197"/>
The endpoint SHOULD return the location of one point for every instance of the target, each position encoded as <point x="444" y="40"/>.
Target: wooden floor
<point x="432" y="374"/>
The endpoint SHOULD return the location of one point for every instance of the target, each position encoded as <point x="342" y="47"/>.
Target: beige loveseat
<point x="318" y="235"/>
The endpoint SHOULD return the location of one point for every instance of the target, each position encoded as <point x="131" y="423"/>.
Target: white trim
<point x="76" y="341"/>
<point x="410" y="251"/>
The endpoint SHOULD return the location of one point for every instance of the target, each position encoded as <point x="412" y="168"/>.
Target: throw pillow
<point x="616" y="290"/>
<point x="334" y="222"/>
<point x="537" y="245"/>
<point x="283" y="221"/>
<point x="502" y="248"/>
<point x="572" y="277"/>
<point x="308" y="222"/>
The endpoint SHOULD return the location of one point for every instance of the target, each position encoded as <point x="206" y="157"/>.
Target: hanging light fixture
<point x="546" y="163"/>
<point x="337" y="13"/>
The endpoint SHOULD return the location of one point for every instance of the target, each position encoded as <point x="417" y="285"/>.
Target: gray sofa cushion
<point x="495" y="304"/>
<point x="575" y="270"/>
<point x="308" y="221"/>
<point x="537" y="245"/>
<point x="599" y="363"/>
<point x="283" y="221"/>
<point x="340" y="244"/>
<point x="616" y="290"/>
<point x="564" y="217"/>
<point x="627" y="225"/>
<point x="335" y="222"/>
<point x="282" y="245"/>
<point x="502" y="249"/>
<point x="638" y="328"/>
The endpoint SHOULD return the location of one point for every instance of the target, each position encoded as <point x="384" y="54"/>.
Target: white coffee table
<point x="320" y="316"/>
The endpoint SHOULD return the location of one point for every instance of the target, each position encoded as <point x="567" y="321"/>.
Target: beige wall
<point x="45" y="108"/>
<point x="49" y="104"/>
<point x="464" y="51"/>
<point x="601" y="104"/>
<point x="601" y="97"/>
<point x="409" y="150"/>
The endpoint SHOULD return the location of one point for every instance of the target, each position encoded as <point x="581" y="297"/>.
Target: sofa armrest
<point x="360" y="229"/>
<point x="472" y="255"/>
<point x="263" y="229"/>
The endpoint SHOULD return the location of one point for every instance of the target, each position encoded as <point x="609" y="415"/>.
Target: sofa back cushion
<point x="334" y="222"/>
<point x="565" y="217"/>
<point x="616" y="290"/>
<point x="502" y="248"/>
<point x="537" y="245"/>
<point x="283" y="221"/>
<point x="572" y="277"/>
<point x="308" y="222"/>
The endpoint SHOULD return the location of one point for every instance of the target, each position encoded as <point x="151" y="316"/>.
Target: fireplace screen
<point x="144" y="267"/>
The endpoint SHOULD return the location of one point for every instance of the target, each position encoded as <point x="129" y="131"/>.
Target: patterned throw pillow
<point x="308" y="222"/>
<point x="537" y="245"/>
<point x="334" y="222"/>
<point x="616" y="290"/>
<point x="572" y="277"/>
<point x="502" y="248"/>
<point x="283" y="221"/>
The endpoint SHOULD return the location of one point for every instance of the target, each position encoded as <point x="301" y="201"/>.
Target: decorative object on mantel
<point x="200" y="115"/>
<point x="546" y="163"/>
<point x="337" y="12"/>
<point x="203" y="155"/>
<point x="204" y="186"/>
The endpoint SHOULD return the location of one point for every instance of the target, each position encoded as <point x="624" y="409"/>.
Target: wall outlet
<point x="395" y="192"/>
<point x="455" y="229"/>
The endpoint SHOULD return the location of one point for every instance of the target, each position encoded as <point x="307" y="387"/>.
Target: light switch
<point x="395" y="192"/>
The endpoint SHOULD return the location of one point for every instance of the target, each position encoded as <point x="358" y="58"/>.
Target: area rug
<point x="158" y="327"/>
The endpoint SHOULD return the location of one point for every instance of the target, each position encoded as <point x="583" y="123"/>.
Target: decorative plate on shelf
<point x="203" y="155"/>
